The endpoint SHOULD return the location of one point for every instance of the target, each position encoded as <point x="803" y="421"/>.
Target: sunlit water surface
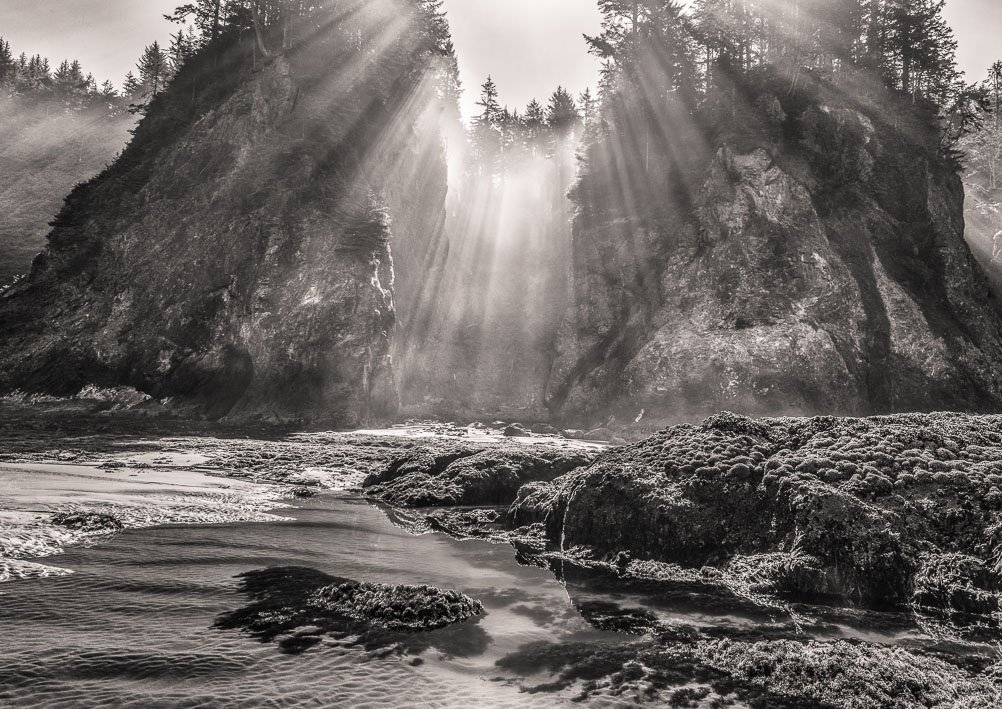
<point x="133" y="626"/>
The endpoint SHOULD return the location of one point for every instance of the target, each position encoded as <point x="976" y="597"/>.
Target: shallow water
<point x="133" y="625"/>
<point x="144" y="619"/>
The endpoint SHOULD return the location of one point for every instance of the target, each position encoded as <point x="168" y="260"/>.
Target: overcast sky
<point x="529" y="46"/>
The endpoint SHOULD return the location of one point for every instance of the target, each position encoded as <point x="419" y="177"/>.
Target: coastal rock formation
<point x="879" y="511"/>
<point x="238" y="258"/>
<point x="809" y="258"/>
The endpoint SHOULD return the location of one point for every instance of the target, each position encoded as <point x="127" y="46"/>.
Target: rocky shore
<point x="897" y="515"/>
<point x="836" y="562"/>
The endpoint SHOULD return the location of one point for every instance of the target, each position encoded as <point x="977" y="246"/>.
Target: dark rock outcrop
<point x="88" y="522"/>
<point x="857" y="509"/>
<point x="809" y="259"/>
<point x="238" y="258"/>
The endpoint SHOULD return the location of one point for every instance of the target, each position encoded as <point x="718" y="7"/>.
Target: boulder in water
<point x="88" y="521"/>
<point x="400" y="607"/>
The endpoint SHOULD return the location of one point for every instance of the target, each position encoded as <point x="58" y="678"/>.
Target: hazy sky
<point x="529" y="46"/>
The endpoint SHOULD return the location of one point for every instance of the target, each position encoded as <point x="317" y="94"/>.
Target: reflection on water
<point x="214" y="615"/>
<point x="282" y="608"/>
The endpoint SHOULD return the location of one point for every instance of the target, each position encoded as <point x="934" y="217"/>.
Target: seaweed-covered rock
<point x="398" y="607"/>
<point x="850" y="508"/>
<point x="957" y="583"/>
<point x="88" y="522"/>
<point x="299" y="606"/>
<point x="467" y="477"/>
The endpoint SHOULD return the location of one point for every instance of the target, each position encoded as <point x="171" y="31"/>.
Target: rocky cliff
<point x="810" y="259"/>
<point x="239" y="257"/>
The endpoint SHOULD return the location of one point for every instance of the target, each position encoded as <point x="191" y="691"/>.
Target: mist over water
<point x="44" y="152"/>
<point x="492" y="313"/>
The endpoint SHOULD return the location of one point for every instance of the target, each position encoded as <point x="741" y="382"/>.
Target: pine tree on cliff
<point x="486" y="129"/>
<point x="154" y="69"/>
<point x="182" y="47"/>
<point x="206" y="16"/>
<point x="7" y="64"/>
<point x="919" y="48"/>
<point x="994" y="84"/>
<point x="131" y="88"/>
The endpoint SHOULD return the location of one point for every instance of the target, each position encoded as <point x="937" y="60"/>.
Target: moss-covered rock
<point x="469" y="477"/>
<point x="957" y="583"/>
<point x="398" y="607"/>
<point x="849" y="508"/>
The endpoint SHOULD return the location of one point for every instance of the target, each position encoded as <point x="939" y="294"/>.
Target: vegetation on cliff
<point x="60" y="128"/>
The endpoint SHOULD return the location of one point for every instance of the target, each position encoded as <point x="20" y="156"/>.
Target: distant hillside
<point x="45" y="152"/>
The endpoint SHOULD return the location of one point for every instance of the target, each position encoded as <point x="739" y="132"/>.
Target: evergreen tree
<point x="70" y="86"/>
<point x="589" y="107"/>
<point x="132" y="88"/>
<point x="37" y="75"/>
<point x="8" y="66"/>
<point x="491" y="109"/>
<point x="919" y="47"/>
<point x="562" y="113"/>
<point x="535" y="115"/>
<point x="154" y="69"/>
<point x="994" y="84"/>
<point x="486" y="130"/>
<point x="182" y="47"/>
<point x="207" y="17"/>
<point x="108" y="92"/>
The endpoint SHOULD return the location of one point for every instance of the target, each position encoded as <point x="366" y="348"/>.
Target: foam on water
<point x="19" y="569"/>
<point x="31" y="494"/>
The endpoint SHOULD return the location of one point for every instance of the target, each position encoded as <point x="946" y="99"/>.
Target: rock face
<point x="816" y="264"/>
<point x="886" y="510"/>
<point x="239" y="257"/>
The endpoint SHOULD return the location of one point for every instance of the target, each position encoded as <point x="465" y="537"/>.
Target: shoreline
<point x="35" y="496"/>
